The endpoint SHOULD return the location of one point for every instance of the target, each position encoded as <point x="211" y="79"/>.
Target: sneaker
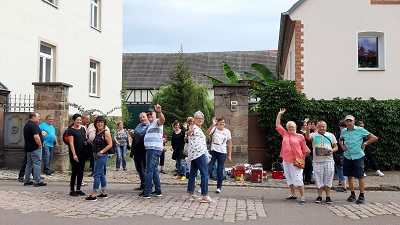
<point x="193" y="197"/>
<point x="318" y="200"/>
<point x="91" y="198"/>
<point x="81" y="193"/>
<point x="102" y="195"/>
<point x="177" y="177"/>
<point x="40" y="184"/>
<point x="163" y="172"/>
<point x="379" y="173"/>
<point x="49" y="172"/>
<point x="329" y="201"/>
<point x="84" y="184"/>
<point x="341" y="189"/>
<point x="360" y="200"/>
<point x="199" y="191"/>
<point x="29" y="183"/>
<point x="352" y="198"/>
<point x="73" y="193"/>
<point x="125" y="169"/>
<point x="21" y="179"/>
<point x="159" y="194"/>
<point x="218" y="190"/>
<point x="290" y="197"/>
<point x="144" y="195"/>
<point x="206" y="199"/>
<point x="302" y="201"/>
<point x="183" y="178"/>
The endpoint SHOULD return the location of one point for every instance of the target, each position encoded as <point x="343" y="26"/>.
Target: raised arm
<point x="278" y="117"/>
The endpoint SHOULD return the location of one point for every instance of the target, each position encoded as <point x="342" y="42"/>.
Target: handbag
<point x="89" y="147"/>
<point x="297" y="162"/>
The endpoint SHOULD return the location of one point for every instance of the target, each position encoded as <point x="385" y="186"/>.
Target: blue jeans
<point x="33" y="159"/>
<point x="220" y="158"/>
<point x="181" y="165"/>
<point x="98" y="172"/>
<point x="339" y="170"/>
<point x="121" y="153"/>
<point x="198" y="164"/>
<point x="47" y="154"/>
<point x="151" y="172"/>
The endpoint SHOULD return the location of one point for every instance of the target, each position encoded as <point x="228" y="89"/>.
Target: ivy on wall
<point x="381" y="117"/>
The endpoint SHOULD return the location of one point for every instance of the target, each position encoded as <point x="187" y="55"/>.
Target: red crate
<point x="277" y="170"/>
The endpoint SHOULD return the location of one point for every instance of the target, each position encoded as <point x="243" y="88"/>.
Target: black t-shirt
<point x="79" y="138"/>
<point x="31" y="128"/>
<point x="178" y="143"/>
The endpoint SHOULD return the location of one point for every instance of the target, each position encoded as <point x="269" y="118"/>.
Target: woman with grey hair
<point x="293" y="144"/>
<point x="197" y="149"/>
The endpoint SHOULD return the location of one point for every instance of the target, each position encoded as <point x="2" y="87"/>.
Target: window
<point x="94" y="13"/>
<point x="371" y="51"/>
<point x="93" y="78"/>
<point x="46" y="63"/>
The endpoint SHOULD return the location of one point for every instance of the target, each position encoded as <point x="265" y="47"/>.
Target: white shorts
<point x="293" y="174"/>
<point x="323" y="173"/>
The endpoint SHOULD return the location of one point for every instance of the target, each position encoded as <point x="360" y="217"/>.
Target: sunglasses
<point x="149" y="114"/>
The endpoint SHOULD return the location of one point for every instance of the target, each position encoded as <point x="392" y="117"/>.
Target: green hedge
<point x="381" y="117"/>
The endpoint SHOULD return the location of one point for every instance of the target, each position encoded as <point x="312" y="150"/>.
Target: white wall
<point x="26" y="23"/>
<point x="330" y="48"/>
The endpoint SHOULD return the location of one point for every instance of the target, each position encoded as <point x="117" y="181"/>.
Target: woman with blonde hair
<point x="293" y="145"/>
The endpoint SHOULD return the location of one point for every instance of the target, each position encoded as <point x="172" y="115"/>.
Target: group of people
<point x="344" y="152"/>
<point x="147" y="147"/>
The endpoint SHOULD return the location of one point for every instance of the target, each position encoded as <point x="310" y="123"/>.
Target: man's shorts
<point x="354" y="168"/>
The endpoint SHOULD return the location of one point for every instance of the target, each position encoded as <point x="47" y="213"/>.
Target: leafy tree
<point x="182" y="96"/>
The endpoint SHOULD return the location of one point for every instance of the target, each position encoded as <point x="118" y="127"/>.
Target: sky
<point x="163" y="26"/>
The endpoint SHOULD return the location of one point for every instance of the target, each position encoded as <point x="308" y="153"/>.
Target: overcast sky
<point x="162" y="26"/>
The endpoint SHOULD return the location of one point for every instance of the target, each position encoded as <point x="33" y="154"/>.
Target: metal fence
<point x="19" y="103"/>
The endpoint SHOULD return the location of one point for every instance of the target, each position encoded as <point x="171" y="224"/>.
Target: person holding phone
<point x="324" y="144"/>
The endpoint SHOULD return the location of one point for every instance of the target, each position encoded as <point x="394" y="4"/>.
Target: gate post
<point x="51" y="98"/>
<point x="4" y="92"/>
<point x="231" y="101"/>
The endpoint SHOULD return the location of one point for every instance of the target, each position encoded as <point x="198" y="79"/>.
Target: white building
<point x="342" y="48"/>
<point x="78" y="42"/>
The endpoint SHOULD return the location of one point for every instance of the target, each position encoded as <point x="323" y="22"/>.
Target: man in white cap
<point x="351" y="140"/>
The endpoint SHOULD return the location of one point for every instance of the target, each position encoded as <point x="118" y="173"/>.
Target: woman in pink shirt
<point x="291" y="141"/>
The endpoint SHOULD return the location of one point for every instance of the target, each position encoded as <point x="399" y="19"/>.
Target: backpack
<point x="114" y="146"/>
<point x="65" y="136"/>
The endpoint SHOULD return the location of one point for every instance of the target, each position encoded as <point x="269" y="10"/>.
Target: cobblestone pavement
<point x="366" y="210"/>
<point x="118" y="205"/>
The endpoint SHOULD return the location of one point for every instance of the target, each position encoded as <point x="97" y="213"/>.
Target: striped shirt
<point x="153" y="138"/>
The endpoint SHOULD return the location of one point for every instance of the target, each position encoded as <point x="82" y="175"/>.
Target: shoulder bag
<point x="297" y="162"/>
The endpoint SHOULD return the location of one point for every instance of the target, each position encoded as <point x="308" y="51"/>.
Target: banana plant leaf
<point x="265" y="72"/>
<point x="211" y="79"/>
<point x="233" y="76"/>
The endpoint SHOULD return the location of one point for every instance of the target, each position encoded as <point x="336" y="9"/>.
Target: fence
<point x="19" y="103"/>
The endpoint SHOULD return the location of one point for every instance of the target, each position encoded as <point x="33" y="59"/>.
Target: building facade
<point x="341" y="48"/>
<point x="78" y="42"/>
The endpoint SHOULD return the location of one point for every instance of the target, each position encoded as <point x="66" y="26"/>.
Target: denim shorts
<point x="353" y="168"/>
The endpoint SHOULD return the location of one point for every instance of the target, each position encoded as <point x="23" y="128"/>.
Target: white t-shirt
<point x="219" y="139"/>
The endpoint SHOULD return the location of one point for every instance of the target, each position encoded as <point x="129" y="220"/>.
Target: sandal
<point x="193" y="197"/>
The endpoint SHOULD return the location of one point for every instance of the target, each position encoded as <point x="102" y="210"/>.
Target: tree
<point x="182" y="96"/>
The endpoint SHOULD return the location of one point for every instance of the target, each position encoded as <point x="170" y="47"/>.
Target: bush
<point x="380" y="118"/>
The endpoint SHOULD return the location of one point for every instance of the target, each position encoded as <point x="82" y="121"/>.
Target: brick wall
<point x="299" y="72"/>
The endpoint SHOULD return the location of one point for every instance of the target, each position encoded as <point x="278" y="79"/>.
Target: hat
<point x="150" y="110"/>
<point x="349" y="117"/>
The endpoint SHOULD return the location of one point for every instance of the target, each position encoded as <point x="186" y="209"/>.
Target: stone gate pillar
<point x="231" y="101"/>
<point x="51" y="98"/>
<point x="4" y="92"/>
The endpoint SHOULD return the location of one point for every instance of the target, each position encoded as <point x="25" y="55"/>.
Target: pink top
<point x="297" y="143"/>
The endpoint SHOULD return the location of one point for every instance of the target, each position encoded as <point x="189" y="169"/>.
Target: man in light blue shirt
<point x="351" y="141"/>
<point x="49" y="143"/>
